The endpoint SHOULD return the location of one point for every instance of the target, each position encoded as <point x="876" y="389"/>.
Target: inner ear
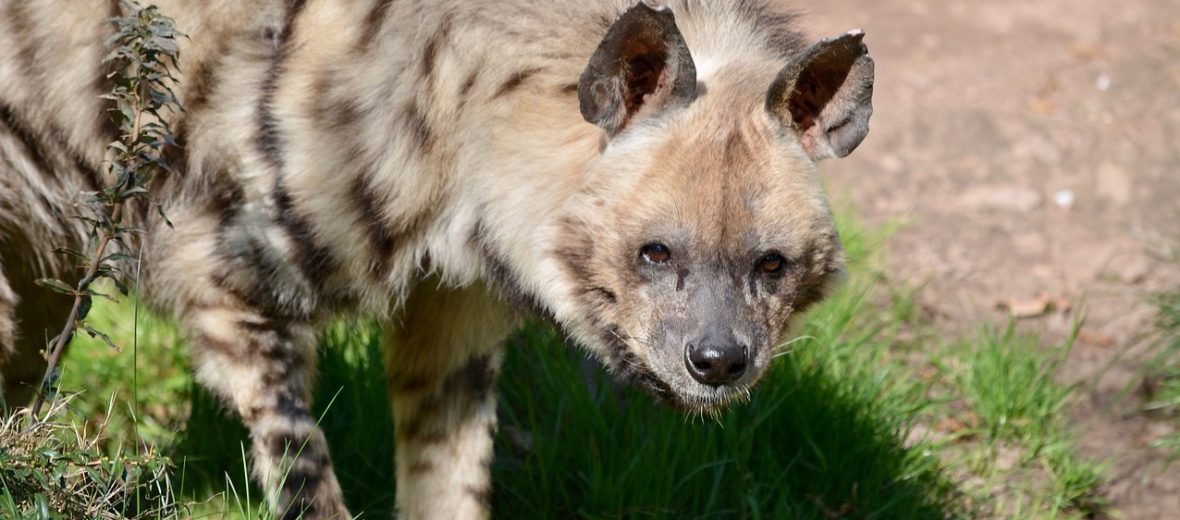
<point x="644" y="70"/>
<point x="815" y="88"/>
<point x="641" y="64"/>
<point x="825" y="94"/>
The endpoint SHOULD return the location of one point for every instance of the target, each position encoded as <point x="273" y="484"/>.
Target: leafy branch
<point x="143" y="53"/>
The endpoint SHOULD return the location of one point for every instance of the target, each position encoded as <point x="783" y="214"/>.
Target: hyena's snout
<point x="717" y="357"/>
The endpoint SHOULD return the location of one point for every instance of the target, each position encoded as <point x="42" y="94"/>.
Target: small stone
<point x="1102" y="82"/>
<point x="1063" y="199"/>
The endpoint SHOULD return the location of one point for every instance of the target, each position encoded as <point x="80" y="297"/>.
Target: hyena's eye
<point x="772" y="264"/>
<point x="656" y="253"/>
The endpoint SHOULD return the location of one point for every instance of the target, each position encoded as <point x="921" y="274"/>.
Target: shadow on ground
<point x="819" y="439"/>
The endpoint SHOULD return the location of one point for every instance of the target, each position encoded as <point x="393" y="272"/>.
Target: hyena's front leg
<point x="264" y="368"/>
<point x="443" y="361"/>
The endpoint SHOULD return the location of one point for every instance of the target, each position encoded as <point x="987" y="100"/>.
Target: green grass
<point x="851" y="422"/>
<point x="1165" y="377"/>
<point x="1010" y="409"/>
<point x="1008" y="383"/>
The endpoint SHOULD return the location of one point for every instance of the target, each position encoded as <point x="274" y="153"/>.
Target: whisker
<point x="784" y="347"/>
<point x="631" y="340"/>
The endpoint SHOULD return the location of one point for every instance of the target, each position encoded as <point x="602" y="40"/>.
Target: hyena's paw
<point x="293" y="462"/>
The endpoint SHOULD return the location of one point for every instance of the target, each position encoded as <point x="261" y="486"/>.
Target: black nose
<point x="716" y="360"/>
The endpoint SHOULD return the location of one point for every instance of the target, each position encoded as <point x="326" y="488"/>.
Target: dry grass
<point x="56" y="466"/>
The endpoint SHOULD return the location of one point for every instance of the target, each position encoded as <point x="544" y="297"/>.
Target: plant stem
<point x="62" y="342"/>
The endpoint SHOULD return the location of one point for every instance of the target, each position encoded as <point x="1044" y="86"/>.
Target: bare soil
<point x="1032" y="150"/>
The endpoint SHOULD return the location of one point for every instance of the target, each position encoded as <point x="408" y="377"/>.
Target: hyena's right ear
<point x="825" y="95"/>
<point x="641" y="64"/>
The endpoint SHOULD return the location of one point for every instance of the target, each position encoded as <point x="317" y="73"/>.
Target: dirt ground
<point x="1033" y="151"/>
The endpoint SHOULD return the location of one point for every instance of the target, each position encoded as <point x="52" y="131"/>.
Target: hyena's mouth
<point x="629" y="369"/>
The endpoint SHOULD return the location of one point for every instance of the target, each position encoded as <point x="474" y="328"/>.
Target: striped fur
<point x="424" y="162"/>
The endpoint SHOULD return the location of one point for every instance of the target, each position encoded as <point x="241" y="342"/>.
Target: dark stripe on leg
<point x="482" y="495"/>
<point x="314" y="260"/>
<point x="461" y="392"/>
<point x="201" y="82"/>
<point x="468" y="84"/>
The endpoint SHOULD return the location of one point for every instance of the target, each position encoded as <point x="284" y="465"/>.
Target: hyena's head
<point x="704" y="227"/>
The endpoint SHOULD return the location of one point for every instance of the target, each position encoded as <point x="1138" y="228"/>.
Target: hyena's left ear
<point x="825" y="94"/>
<point x="641" y="64"/>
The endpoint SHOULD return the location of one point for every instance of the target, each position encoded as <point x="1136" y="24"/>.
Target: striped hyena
<point x="642" y="176"/>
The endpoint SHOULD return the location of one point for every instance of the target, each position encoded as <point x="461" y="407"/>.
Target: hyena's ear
<point x="641" y="64"/>
<point x="826" y="95"/>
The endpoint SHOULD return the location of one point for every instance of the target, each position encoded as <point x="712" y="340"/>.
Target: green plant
<point x="142" y="54"/>
<point x="54" y="467"/>
<point x="1165" y="378"/>
<point x="1008" y="414"/>
<point x="1009" y="385"/>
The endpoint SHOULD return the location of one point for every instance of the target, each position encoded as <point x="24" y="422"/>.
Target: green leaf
<point x="65" y="251"/>
<point x="103" y="295"/>
<point x="84" y="307"/>
<point x="160" y="211"/>
<point x="42" y="506"/>
<point x="115" y="257"/>
<point x="128" y="193"/>
<point x="120" y="285"/>
<point x="95" y="333"/>
<point x="56" y="285"/>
